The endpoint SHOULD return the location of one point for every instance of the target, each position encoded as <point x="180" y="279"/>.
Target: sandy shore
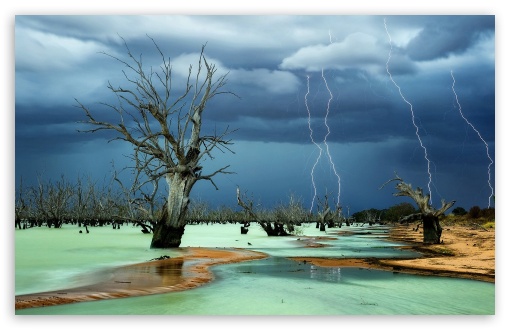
<point x="466" y="252"/>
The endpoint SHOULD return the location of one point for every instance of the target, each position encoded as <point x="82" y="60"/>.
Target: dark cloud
<point x="281" y="68"/>
<point x="447" y="35"/>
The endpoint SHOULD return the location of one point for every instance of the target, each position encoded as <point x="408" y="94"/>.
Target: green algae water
<point x="52" y="259"/>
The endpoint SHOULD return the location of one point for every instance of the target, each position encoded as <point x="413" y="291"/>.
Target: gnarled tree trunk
<point x="167" y="236"/>
<point x="169" y="229"/>
<point x="432" y="229"/>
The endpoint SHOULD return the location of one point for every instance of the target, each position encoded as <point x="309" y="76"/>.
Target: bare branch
<point x="423" y="201"/>
<point x="165" y="130"/>
<point x="209" y="176"/>
<point x="247" y="207"/>
<point x="396" y="178"/>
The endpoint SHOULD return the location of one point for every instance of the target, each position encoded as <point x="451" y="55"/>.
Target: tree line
<point x="52" y="203"/>
<point x="83" y="201"/>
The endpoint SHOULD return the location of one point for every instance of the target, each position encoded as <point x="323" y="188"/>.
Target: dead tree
<point x="83" y="199"/>
<point x="274" y="227"/>
<point x="429" y="216"/>
<point x="165" y="130"/>
<point x="52" y="201"/>
<point x="326" y="215"/>
<point x="291" y="214"/>
<point x="21" y="207"/>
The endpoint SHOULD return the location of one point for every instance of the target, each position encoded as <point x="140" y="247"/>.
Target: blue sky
<point x="388" y="80"/>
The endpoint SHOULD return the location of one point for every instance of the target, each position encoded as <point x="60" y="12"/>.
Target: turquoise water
<point x="48" y="259"/>
<point x="51" y="259"/>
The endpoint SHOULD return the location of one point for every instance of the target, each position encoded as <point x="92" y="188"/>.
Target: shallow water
<point x="51" y="259"/>
<point x="272" y="286"/>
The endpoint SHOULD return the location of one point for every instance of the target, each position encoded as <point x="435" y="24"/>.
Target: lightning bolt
<point x="479" y="135"/>
<point x="311" y="138"/>
<point x="330" y="37"/>
<point x="417" y="131"/>
<point x="326" y="136"/>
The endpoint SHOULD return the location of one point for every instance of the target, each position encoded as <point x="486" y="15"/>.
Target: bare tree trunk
<point x="169" y="229"/>
<point x="432" y="230"/>
<point x="326" y="215"/>
<point x="428" y="214"/>
<point x="166" y="236"/>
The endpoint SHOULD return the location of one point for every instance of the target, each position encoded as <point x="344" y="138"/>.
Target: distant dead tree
<point x="83" y="198"/>
<point x="327" y="216"/>
<point x="432" y="229"/>
<point x="142" y="205"/>
<point x="272" y="227"/>
<point x="22" y="207"/>
<point x="165" y="130"/>
<point x="52" y="201"/>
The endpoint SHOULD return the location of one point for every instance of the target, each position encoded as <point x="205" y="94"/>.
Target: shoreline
<point x="188" y="271"/>
<point x="466" y="252"/>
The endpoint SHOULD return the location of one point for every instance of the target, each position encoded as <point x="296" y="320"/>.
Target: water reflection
<point x="329" y="275"/>
<point x="163" y="274"/>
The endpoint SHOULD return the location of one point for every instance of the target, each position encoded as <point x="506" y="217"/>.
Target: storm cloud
<point x="293" y="78"/>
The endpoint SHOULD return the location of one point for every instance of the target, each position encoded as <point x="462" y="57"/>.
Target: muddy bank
<point x="159" y="276"/>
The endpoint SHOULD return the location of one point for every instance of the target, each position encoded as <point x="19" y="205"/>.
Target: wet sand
<point x="465" y="253"/>
<point x="189" y="271"/>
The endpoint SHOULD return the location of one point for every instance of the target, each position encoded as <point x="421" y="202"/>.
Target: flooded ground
<point x="53" y="259"/>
